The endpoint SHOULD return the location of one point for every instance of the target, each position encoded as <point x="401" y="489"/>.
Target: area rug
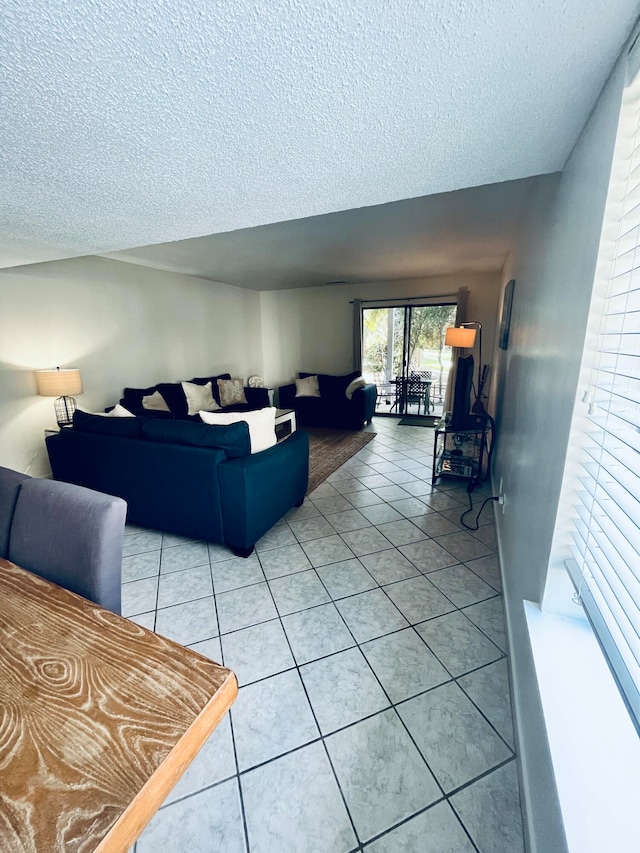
<point x="423" y="421"/>
<point x="329" y="449"/>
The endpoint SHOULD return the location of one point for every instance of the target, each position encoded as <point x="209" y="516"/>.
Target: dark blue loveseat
<point x="192" y="479"/>
<point x="332" y="408"/>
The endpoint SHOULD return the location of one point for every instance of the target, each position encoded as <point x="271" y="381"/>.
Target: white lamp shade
<point x="59" y="383"/>
<point x="460" y="337"/>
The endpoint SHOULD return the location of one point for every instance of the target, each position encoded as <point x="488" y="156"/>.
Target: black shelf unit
<point x="460" y="453"/>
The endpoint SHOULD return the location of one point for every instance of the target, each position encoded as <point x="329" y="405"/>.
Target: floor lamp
<point x="464" y="337"/>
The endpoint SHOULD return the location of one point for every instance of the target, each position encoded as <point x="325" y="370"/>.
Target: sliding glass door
<point x="403" y="353"/>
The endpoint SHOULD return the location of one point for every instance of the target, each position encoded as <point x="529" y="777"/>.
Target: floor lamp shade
<point x="460" y="337"/>
<point x="61" y="384"/>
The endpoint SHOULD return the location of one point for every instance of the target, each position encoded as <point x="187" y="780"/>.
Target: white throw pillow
<point x="307" y="387"/>
<point x="359" y="382"/>
<point x="199" y="397"/>
<point x="119" y="411"/>
<point x="262" y="425"/>
<point x="155" y="402"/>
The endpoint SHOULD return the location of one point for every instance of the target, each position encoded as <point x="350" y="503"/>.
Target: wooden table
<point x="99" y="718"/>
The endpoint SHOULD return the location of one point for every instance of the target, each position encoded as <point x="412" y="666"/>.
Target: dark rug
<point x="329" y="449"/>
<point x="423" y="421"/>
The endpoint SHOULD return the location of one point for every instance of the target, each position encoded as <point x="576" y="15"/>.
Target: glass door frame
<point x="401" y="403"/>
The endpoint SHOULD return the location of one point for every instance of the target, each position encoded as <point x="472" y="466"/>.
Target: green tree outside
<point x="383" y="339"/>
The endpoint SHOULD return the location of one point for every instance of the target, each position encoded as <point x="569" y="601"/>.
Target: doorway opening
<point x="404" y="355"/>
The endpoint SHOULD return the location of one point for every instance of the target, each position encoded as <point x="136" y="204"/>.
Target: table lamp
<point x="61" y="384"/>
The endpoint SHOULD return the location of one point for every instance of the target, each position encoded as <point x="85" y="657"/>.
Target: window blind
<point x="605" y="504"/>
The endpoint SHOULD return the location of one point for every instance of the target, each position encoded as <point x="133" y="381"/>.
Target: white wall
<point x="122" y="325"/>
<point x="537" y="376"/>
<point x="310" y="328"/>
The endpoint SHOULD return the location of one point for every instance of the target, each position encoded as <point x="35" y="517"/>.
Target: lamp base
<point x="478" y="407"/>
<point x="64" y="408"/>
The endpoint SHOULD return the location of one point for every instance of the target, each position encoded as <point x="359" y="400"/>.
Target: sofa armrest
<point x="172" y="487"/>
<point x="257" y="490"/>
<point x="365" y="400"/>
<point x="287" y="396"/>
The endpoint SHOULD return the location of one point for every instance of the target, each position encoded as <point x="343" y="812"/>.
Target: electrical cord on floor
<point x="484" y="503"/>
<point x="481" y="479"/>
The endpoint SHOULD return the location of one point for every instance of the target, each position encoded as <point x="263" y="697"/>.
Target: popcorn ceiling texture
<point x="127" y="123"/>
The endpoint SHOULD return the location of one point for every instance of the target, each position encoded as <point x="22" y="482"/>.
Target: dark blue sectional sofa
<point x="188" y="478"/>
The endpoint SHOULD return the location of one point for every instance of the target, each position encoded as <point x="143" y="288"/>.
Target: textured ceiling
<point x="458" y="232"/>
<point x="131" y="123"/>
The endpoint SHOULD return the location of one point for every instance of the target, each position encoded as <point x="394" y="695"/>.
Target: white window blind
<point x="605" y="499"/>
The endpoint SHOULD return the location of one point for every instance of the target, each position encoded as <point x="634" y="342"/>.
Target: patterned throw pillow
<point x="231" y="392"/>
<point x="199" y="398"/>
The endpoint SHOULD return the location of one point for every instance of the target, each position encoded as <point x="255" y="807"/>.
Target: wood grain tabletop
<point x="99" y="718"/>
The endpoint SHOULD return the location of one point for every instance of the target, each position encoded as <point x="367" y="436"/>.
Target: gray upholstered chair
<point x="67" y="534"/>
<point x="10" y="482"/>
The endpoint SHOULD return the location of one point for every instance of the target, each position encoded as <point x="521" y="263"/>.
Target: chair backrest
<point x="72" y="536"/>
<point x="400" y="388"/>
<point x="415" y="385"/>
<point x="10" y="482"/>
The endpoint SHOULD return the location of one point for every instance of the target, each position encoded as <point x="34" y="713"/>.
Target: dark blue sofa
<point x="187" y="478"/>
<point x="331" y="408"/>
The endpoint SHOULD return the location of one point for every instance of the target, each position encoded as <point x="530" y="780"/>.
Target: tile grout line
<point x="304" y="687"/>
<point x="231" y="724"/>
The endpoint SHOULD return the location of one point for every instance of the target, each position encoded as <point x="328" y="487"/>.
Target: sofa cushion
<point x="132" y="397"/>
<point x="98" y="424"/>
<point x="232" y="439"/>
<point x="231" y="392"/>
<point x="171" y="392"/>
<point x="262" y="425"/>
<point x="174" y="394"/>
<point x="333" y="387"/>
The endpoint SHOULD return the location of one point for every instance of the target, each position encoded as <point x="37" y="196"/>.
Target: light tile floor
<point x="368" y="639"/>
